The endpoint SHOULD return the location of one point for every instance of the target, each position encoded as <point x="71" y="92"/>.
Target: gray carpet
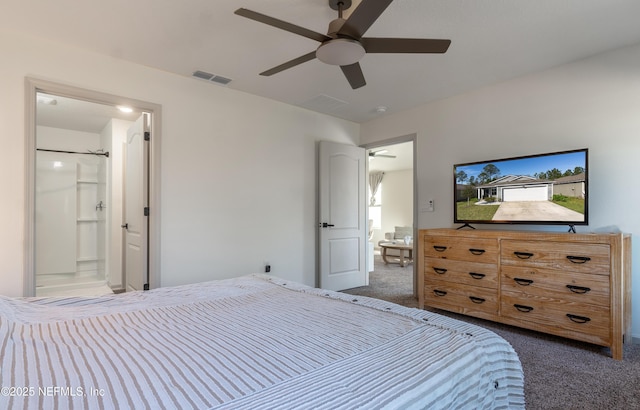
<point x="389" y="282"/>
<point x="559" y="373"/>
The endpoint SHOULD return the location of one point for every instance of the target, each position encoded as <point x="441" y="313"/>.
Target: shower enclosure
<point x="70" y="206"/>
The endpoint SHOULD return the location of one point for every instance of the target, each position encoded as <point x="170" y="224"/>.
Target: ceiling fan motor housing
<point x="335" y="26"/>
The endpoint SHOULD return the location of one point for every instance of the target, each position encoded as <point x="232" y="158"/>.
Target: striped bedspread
<point x="255" y="342"/>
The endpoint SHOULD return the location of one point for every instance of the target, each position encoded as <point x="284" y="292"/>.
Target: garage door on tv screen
<point x="547" y="188"/>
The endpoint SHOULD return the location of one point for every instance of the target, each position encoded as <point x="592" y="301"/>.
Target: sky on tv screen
<point x="531" y="165"/>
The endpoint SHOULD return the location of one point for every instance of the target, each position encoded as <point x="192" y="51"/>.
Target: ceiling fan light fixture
<point x="46" y="100"/>
<point x="340" y="51"/>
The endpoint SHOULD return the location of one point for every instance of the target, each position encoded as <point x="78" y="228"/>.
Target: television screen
<point x="536" y="189"/>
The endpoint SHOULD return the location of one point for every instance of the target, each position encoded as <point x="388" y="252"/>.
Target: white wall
<point x="594" y="103"/>
<point x="66" y="140"/>
<point x="238" y="179"/>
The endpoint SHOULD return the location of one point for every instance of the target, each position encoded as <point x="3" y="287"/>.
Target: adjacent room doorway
<point x="392" y="208"/>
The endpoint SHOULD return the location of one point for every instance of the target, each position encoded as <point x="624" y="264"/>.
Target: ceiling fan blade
<point x="292" y="63"/>
<point x="404" y="45"/>
<point x="380" y="154"/>
<point x="283" y="25"/>
<point x="354" y="75"/>
<point x="363" y="17"/>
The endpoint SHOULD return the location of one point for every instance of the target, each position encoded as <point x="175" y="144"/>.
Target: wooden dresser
<point x="572" y="285"/>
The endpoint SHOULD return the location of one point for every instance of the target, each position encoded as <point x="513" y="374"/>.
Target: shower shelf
<point x="87" y="259"/>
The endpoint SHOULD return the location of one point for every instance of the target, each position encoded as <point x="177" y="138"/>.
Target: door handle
<point x="326" y="225"/>
<point x="125" y="226"/>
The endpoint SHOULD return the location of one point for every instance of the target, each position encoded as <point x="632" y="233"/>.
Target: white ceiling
<point x="72" y="114"/>
<point x="492" y="41"/>
<point x="402" y="153"/>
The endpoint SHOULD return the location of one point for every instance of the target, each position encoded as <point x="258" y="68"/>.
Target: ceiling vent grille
<point x="203" y="75"/>
<point x="324" y="103"/>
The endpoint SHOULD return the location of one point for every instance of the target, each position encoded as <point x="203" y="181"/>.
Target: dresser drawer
<point x="548" y="283"/>
<point x="470" y="273"/>
<point x="579" y="321"/>
<point x="462" y="249"/>
<point x="468" y="300"/>
<point x="568" y="257"/>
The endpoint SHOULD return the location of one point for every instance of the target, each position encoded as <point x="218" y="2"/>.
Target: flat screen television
<point x="547" y="188"/>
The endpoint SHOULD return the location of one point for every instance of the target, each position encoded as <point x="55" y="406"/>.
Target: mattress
<point x="254" y="342"/>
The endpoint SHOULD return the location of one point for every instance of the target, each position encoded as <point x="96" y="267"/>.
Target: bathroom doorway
<point x="76" y="168"/>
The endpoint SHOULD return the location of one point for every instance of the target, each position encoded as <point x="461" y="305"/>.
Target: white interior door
<point x="135" y="202"/>
<point x="342" y="216"/>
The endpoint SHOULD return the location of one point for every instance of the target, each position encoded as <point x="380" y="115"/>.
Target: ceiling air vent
<point x="323" y="103"/>
<point x="203" y="75"/>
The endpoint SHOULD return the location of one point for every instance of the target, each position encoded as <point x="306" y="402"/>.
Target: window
<point x="375" y="211"/>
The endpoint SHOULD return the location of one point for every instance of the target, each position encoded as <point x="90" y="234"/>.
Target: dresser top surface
<point x="526" y="235"/>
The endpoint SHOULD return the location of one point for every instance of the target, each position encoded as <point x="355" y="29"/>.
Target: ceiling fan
<point x="380" y="154"/>
<point x="343" y="45"/>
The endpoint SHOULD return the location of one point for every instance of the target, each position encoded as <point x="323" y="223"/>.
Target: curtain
<point x="375" y="178"/>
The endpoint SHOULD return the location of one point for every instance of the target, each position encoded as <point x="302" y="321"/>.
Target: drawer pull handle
<point x="523" y="282"/>
<point x="523" y="255"/>
<point x="439" y="248"/>
<point x="475" y="299"/>
<point x="578" y="259"/>
<point x="523" y="308"/>
<point x="578" y="319"/>
<point x="439" y="292"/>
<point x="578" y="289"/>
<point x="440" y="271"/>
<point x="477" y="251"/>
<point x="475" y="275"/>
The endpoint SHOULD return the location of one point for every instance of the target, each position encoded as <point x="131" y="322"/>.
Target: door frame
<point x="32" y="87"/>
<point x="392" y="141"/>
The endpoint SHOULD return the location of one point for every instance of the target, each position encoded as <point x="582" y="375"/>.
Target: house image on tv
<point x="516" y="188"/>
<point x="571" y="186"/>
<point x="525" y="188"/>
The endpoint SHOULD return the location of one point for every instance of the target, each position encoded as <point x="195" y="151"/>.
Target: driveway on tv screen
<point x="535" y="211"/>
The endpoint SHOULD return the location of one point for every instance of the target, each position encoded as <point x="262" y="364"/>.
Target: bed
<point x="254" y="342"/>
